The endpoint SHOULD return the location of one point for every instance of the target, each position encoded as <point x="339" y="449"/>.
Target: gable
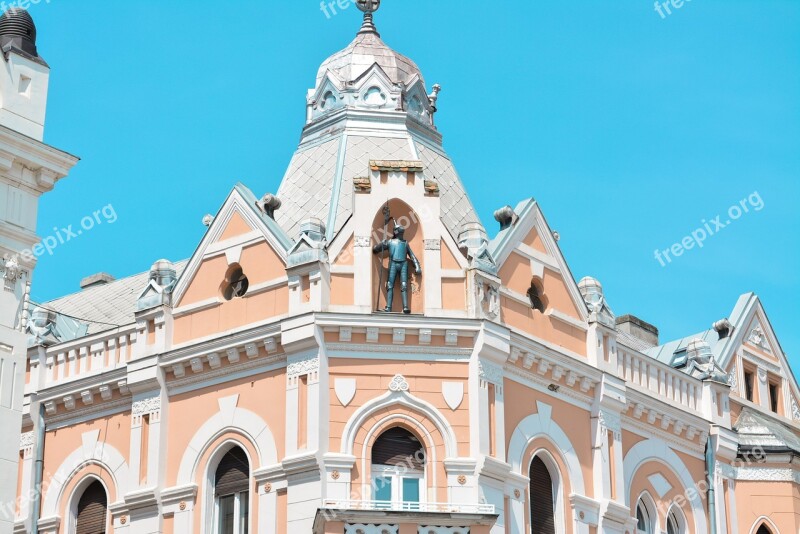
<point x="754" y="349"/>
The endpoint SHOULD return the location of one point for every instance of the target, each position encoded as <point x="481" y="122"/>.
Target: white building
<point x="28" y="168"/>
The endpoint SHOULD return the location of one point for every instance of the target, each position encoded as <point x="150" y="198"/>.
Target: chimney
<point x="639" y="329"/>
<point x="98" y="279"/>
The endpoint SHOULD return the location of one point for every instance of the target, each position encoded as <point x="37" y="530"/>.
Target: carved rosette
<point x="398" y="384"/>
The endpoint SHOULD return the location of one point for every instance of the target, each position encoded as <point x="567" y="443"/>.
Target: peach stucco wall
<point x="260" y="264"/>
<point x="236" y="227"/>
<point x="779" y="501"/>
<point x="115" y="430"/>
<point x="520" y="402"/>
<point x="264" y="394"/>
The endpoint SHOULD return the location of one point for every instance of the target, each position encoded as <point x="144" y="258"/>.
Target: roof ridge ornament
<point x="368" y="7"/>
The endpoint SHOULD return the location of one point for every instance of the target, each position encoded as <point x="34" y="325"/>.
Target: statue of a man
<point x="399" y="254"/>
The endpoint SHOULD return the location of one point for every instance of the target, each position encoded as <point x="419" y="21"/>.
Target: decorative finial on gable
<point x="368" y="7"/>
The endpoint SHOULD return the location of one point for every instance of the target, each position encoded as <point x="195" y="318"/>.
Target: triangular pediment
<point x="238" y="227"/>
<point x="753" y="347"/>
<point x="529" y="249"/>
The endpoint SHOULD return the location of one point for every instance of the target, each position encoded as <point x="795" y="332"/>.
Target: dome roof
<point x="18" y="31"/>
<point x="366" y="50"/>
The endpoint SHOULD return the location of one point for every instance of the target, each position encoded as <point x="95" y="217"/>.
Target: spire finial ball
<point x="368" y="6"/>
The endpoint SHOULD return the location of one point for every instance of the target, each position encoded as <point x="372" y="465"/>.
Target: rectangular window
<point x="411" y="490"/>
<point x="774" y="397"/>
<point x="383" y="489"/>
<point x="397" y="487"/>
<point x="233" y="513"/>
<point x="748" y="386"/>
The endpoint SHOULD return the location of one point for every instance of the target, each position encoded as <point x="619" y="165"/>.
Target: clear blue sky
<point x="629" y="129"/>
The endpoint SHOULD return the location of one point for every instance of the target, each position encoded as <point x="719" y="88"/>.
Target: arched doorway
<point x="92" y="510"/>
<point x="542" y="498"/>
<point x="232" y="493"/>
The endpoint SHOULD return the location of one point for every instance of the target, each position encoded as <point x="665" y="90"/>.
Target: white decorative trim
<point x="660" y="484"/>
<point x="92" y="452"/>
<point x="610" y="421"/>
<point x="759" y="339"/>
<point x="398" y="383"/>
<point x="146" y="406"/>
<point x="453" y="393"/>
<point x="404" y="399"/>
<point x="768" y="474"/>
<point x="433" y="244"/>
<point x="733" y="380"/>
<point x="307" y="364"/>
<point x="442" y="530"/>
<point x="362" y="241"/>
<point x="795" y="410"/>
<point x="230" y="417"/>
<point x="762" y="375"/>
<point x="657" y="450"/>
<point x="490" y="373"/>
<point x="345" y="389"/>
<point x="541" y="425"/>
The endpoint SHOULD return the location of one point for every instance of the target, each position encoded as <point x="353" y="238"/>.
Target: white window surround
<point x="676" y="514"/>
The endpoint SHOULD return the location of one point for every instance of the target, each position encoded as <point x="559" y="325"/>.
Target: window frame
<point x="645" y="503"/>
<point x="238" y="498"/>
<point x="397" y="473"/>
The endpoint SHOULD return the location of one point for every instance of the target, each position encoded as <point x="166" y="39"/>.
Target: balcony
<point x="429" y="507"/>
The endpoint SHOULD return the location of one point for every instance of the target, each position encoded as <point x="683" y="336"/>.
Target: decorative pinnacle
<point x="368" y="7"/>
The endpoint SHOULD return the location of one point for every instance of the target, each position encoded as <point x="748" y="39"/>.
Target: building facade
<point x="261" y="387"/>
<point x="28" y="169"/>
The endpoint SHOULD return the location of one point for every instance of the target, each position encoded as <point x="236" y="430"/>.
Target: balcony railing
<point x="432" y="507"/>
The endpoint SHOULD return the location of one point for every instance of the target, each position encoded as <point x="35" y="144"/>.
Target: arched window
<point x="645" y="520"/>
<point x="676" y="524"/>
<point x="542" y="499"/>
<point x="92" y="510"/>
<point x="231" y="493"/>
<point x="398" y="470"/>
<point x="763" y="530"/>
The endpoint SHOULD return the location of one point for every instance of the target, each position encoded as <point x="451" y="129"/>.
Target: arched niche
<point x="404" y="215"/>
